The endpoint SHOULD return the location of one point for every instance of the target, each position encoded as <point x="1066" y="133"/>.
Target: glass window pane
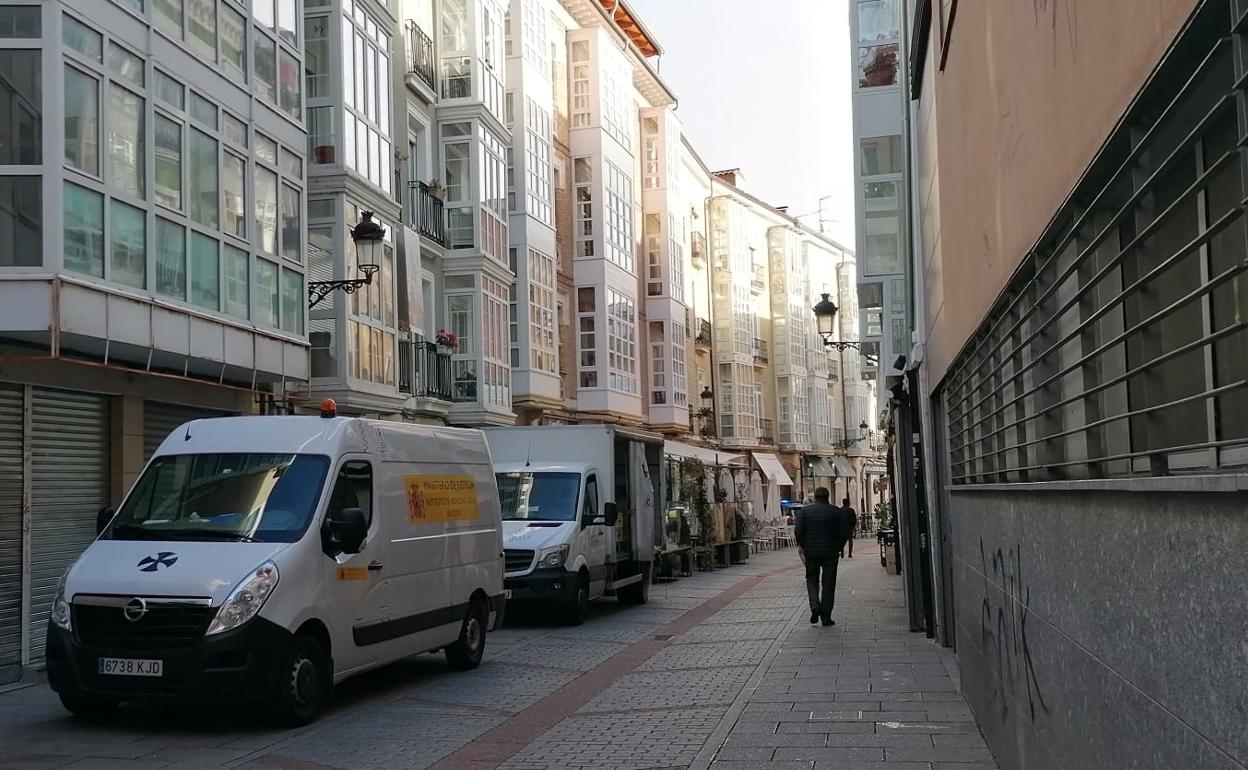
<point x="291" y="83"/>
<point x="170" y="259"/>
<point x="125" y="65"/>
<point x="264" y="53"/>
<point x="203" y="171"/>
<point x="321" y="135"/>
<point x="168" y="15"/>
<point x="878" y="21"/>
<point x="128" y="235"/>
<point x="286" y="21"/>
<point x="266" y="149"/>
<point x="292" y="302"/>
<point x="233" y="176"/>
<point x="234" y="266"/>
<point x="234" y="129"/>
<point x="292" y="164"/>
<point x="203" y="27"/>
<point x="21" y="100"/>
<point x="882" y="155"/>
<point x="262" y="11"/>
<point x="292" y="221"/>
<point x="169" y="91"/>
<point x="84" y="231"/>
<point x="316" y="57"/>
<point x="82" y="39"/>
<point x="203" y="111"/>
<point x="266" y="293"/>
<point x="20" y="21"/>
<point x="234" y="41"/>
<point x="126" y="143"/>
<point x="21" y="221"/>
<point x="134" y="5"/>
<point x="266" y="210"/>
<point x="205" y="272"/>
<point x="168" y="162"/>
<point x="82" y="121"/>
<point x="877" y="65"/>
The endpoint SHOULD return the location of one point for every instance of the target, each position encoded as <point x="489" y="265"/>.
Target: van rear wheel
<point x="466" y="652"/>
<point x="303" y="682"/>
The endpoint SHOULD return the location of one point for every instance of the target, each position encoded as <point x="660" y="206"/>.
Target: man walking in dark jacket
<point x="853" y="526"/>
<point x="822" y="530"/>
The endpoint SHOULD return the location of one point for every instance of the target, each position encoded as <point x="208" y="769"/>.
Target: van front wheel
<point x="303" y="682"/>
<point x="578" y="606"/>
<point x="466" y="652"/>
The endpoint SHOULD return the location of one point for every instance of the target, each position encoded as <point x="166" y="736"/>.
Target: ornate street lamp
<point x="367" y="236"/>
<point x="825" y="321"/>
<point x="864" y="432"/>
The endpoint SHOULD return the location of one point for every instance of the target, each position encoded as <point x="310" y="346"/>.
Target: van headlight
<point x="245" y="600"/>
<point x="61" y="615"/>
<point x="553" y="557"/>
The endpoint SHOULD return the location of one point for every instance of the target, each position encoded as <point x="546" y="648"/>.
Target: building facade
<point x="1081" y="389"/>
<point x="153" y="194"/>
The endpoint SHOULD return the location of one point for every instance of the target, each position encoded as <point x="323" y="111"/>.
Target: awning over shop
<point x="830" y="467"/>
<point x="706" y="456"/>
<point x="770" y="465"/>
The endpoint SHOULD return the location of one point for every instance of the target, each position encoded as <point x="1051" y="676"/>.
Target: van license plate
<point x="131" y="667"/>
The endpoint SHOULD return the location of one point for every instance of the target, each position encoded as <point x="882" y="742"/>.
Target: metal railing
<point x="426" y="212"/>
<point x="420" y="55"/>
<point x="760" y="351"/>
<point x="703" y="337"/>
<point x="766" y="431"/>
<point x="1116" y="350"/>
<point x="423" y="370"/>
<point x="758" y="278"/>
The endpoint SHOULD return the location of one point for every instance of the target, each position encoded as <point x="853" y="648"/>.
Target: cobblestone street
<point x="718" y="671"/>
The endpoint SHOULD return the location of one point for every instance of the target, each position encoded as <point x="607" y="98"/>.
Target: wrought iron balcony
<point x="703" y="337"/>
<point x="758" y="278"/>
<point x="760" y="351"/>
<point x="426" y="212"/>
<point x="423" y="370"/>
<point x="420" y="55"/>
<point x="766" y="431"/>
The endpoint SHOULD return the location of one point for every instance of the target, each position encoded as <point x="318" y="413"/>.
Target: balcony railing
<point x="758" y="278"/>
<point x="760" y="351"/>
<point x="703" y="337"/>
<point x="423" y="371"/>
<point x="427" y="217"/>
<point x="766" y="431"/>
<point x="420" y="55"/>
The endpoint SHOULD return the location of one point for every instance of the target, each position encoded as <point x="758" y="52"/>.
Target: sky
<point x="767" y="92"/>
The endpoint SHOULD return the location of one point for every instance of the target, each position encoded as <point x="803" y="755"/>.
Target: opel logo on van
<point x="135" y="609"/>
<point x="153" y="563"/>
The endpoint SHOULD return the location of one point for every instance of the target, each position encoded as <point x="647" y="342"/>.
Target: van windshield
<point x="539" y="496"/>
<point x="236" y="497"/>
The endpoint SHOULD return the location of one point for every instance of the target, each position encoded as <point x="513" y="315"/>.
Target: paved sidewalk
<point x="865" y="694"/>
<point x="718" y="671"/>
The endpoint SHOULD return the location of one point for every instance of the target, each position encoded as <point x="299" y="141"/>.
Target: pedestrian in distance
<point x="822" y="529"/>
<point x="853" y="526"/>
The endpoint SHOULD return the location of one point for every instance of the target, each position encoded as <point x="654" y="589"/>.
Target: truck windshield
<point x="235" y="497"/>
<point x="539" y="496"/>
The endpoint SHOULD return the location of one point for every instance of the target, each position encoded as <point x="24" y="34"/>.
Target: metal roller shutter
<point x="69" y="484"/>
<point x="11" y="410"/>
<point x="159" y="420"/>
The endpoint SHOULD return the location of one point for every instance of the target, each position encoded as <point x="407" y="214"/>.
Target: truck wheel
<point x="466" y="652"/>
<point x="303" y="682"/>
<point x="86" y="707"/>
<point x="579" y="605"/>
<point x="639" y="592"/>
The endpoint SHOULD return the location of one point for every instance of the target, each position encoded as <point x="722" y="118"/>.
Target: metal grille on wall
<point x="1120" y="346"/>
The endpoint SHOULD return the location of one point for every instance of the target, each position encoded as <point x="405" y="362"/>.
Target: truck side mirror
<point x="344" y="531"/>
<point x="102" y="519"/>
<point x="611" y="513"/>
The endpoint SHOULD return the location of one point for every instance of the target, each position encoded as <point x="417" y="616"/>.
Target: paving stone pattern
<point x="717" y="672"/>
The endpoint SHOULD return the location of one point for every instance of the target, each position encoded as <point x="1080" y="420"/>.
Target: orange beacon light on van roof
<point x="329" y="408"/>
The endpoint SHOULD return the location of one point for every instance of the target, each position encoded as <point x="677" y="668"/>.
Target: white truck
<point x="581" y="513"/>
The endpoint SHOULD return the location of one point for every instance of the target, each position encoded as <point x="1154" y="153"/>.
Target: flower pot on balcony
<point x="444" y="350"/>
<point x="324" y="154"/>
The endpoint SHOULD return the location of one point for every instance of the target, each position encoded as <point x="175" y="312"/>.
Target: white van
<point x="267" y="558"/>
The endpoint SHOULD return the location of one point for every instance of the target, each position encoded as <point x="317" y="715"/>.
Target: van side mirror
<point x="344" y="531"/>
<point x="103" y="518"/>
<point x="611" y="513"/>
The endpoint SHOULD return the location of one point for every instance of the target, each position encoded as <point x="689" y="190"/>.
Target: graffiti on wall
<point x="1003" y="628"/>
